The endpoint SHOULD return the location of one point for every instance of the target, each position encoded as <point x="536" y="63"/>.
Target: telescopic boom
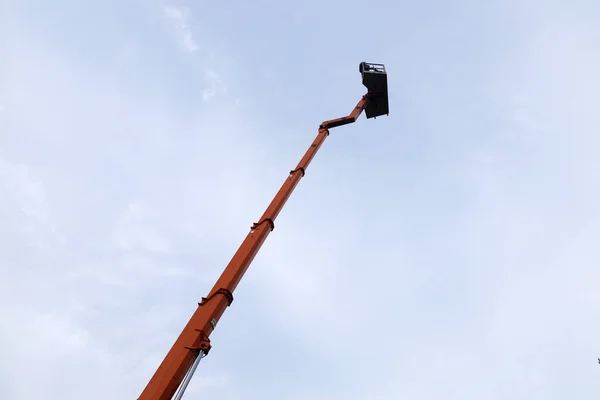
<point x="193" y="343"/>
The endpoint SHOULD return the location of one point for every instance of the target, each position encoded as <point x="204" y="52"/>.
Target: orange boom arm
<point x="193" y="343"/>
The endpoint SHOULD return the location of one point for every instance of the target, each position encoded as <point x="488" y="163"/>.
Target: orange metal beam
<point x="195" y="336"/>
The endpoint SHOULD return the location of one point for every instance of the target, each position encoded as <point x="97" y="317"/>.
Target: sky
<point x="446" y="251"/>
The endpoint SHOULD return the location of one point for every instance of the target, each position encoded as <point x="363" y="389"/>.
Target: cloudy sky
<point x="448" y="251"/>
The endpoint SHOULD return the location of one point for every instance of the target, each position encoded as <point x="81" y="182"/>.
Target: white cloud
<point x="93" y="188"/>
<point x="212" y="81"/>
<point x="214" y="85"/>
<point x="180" y="17"/>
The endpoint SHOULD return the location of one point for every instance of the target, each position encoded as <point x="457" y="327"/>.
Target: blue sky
<point x="448" y="251"/>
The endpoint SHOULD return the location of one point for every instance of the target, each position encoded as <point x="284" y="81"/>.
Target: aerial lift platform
<point x="374" y="78"/>
<point x="176" y="370"/>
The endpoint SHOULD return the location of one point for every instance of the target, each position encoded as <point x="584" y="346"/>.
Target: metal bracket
<point x="204" y="344"/>
<point x="223" y="291"/>
<point x="298" y="169"/>
<point x="269" y="220"/>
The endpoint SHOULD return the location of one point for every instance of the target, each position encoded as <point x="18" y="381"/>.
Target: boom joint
<point x="225" y="292"/>
<point x="301" y="169"/>
<point x="257" y="224"/>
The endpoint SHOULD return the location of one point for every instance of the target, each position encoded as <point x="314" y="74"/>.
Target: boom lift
<point x="193" y="344"/>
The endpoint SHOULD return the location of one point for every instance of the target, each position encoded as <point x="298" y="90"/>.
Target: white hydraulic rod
<point x="188" y="377"/>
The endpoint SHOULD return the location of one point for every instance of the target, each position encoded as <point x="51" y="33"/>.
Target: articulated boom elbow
<point x="375" y="102"/>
